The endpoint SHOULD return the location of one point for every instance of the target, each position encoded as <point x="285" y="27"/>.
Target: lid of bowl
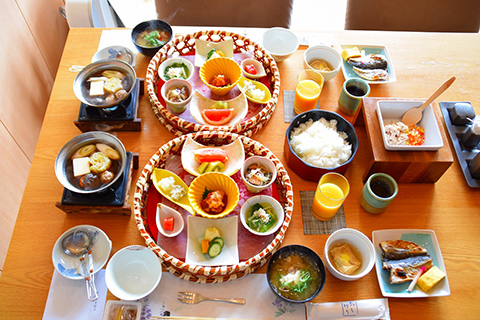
<point x="116" y="52"/>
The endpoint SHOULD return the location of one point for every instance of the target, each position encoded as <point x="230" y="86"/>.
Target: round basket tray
<point x="198" y="273"/>
<point x="185" y="45"/>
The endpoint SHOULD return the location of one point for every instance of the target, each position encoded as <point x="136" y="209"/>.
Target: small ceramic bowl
<point x="305" y="170"/>
<point x="133" y="273"/>
<point x="167" y="63"/>
<point x="302" y="251"/>
<point x="260" y="70"/>
<point x="281" y="43"/>
<point x="150" y="26"/>
<point x="277" y="207"/>
<point x="322" y="52"/>
<point x="258" y="85"/>
<point x="220" y="66"/>
<point x="213" y="181"/>
<point x="159" y="174"/>
<point x="177" y="107"/>
<point x="165" y="212"/>
<point x="263" y="162"/>
<point x="358" y="240"/>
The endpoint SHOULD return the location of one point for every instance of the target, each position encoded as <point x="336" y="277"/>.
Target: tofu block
<point x="96" y="88"/>
<point x="81" y="166"/>
<point x="430" y="278"/>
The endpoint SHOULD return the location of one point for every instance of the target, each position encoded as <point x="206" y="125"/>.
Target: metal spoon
<point x="79" y="244"/>
<point x="414" y="115"/>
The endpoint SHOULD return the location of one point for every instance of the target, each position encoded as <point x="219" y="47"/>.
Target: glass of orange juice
<point x="307" y="92"/>
<point x="331" y="192"/>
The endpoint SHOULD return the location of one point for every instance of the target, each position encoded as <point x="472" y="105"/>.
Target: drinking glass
<point x="332" y="190"/>
<point x="307" y="92"/>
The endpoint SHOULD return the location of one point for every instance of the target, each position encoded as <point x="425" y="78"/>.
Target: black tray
<point x="464" y="154"/>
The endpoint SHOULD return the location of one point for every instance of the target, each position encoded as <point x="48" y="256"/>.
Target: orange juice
<point x="328" y="198"/>
<point x="306" y="95"/>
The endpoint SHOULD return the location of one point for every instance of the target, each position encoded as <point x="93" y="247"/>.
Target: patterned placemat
<point x="312" y="225"/>
<point x="288" y="99"/>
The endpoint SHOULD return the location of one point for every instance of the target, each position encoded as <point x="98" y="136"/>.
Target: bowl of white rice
<point x="319" y="141"/>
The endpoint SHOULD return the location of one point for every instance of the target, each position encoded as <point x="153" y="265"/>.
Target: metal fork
<point x="193" y="298"/>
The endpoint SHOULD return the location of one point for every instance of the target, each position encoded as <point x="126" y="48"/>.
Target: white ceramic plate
<point x="70" y="267"/>
<point x="424" y="238"/>
<point x="392" y="111"/>
<point x="235" y="153"/>
<point x="202" y="48"/>
<point x="196" y="232"/>
<point x="347" y="69"/>
<point x="200" y="103"/>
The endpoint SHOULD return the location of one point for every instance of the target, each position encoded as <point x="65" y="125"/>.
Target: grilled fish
<point x="406" y="269"/>
<point x="400" y="249"/>
<point x="372" y="61"/>
<point x="372" y="74"/>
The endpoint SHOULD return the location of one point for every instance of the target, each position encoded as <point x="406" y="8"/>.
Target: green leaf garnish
<point x="205" y="193"/>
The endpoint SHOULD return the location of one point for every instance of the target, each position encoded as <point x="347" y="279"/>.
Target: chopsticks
<point x="196" y="318"/>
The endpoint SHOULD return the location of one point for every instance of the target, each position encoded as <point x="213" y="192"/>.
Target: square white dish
<point x="202" y="48"/>
<point x="196" y="227"/>
<point x="347" y="69"/>
<point x="424" y="238"/>
<point x="392" y="111"/>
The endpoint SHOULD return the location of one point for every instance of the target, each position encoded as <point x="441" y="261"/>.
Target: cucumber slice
<point x="214" y="249"/>
<point x="203" y="167"/>
<point x="219" y="240"/>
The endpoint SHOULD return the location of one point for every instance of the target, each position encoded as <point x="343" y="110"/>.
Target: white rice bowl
<point x="319" y="144"/>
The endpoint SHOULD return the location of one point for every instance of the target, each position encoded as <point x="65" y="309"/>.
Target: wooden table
<point x="449" y="207"/>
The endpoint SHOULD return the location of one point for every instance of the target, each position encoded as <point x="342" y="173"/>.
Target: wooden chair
<point x="413" y="15"/>
<point x="226" y="13"/>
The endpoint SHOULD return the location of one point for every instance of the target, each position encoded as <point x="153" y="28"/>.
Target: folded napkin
<point x="288" y="111"/>
<point x="261" y="302"/>
<point x="312" y="225"/>
<point x="67" y="299"/>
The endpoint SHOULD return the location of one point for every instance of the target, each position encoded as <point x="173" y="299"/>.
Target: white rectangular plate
<point x="424" y="238"/>
<point x="347" y="69"/>
<point x="196" y="232"/>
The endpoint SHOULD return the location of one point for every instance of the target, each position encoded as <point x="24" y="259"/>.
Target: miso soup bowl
<point x="358" y="240"/>
<point x="300" y="250"/>
<point x="62" y="171"/>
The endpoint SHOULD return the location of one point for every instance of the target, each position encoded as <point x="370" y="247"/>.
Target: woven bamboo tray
<point x="197" y="273"/>
<point x="185" y="45"/>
